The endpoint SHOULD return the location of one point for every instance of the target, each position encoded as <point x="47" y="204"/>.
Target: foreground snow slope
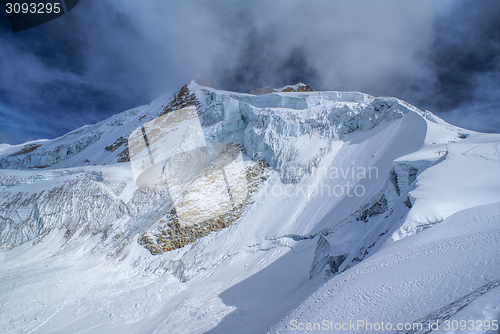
<point x="419" y="280"/>
<point x="250" y="205"/>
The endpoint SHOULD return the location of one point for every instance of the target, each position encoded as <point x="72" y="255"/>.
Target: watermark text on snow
<point x="346" y="182"/>
<point x="364" y="325"/>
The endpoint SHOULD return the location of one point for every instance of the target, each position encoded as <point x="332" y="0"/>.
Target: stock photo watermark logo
<point x="204" y="179"/>
<point x="208" y="181"/>
<point x="334" y="181"/>
<point x="26" y="14"/>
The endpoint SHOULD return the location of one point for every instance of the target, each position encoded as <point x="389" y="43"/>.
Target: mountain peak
<point x="300" y="87"/>
<point x="297" y="110"/>
<point x="234" y="200"/>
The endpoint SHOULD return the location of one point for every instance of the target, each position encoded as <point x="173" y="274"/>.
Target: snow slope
<point x="328" y="205"/>
<point x="419" y="280"/>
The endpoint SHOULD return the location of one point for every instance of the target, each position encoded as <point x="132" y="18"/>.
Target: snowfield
<point x="419" y="280"/>
<point x="220" y="212"/>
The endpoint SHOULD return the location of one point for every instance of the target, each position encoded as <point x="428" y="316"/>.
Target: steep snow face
<point x="40" y="155"/>
<point x="250" y="204"/>
<point x="274" y="127"/>
<point x="81" y="202"/>
<point x="292" y="131"/>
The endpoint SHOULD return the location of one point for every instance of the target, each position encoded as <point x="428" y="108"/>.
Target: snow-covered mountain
<point x="214" y="211"/>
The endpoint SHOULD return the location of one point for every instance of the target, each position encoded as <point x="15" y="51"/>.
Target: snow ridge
<point x="108" y="214"/>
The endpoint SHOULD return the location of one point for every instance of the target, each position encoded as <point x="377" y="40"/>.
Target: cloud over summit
<point x="107" y="56"/>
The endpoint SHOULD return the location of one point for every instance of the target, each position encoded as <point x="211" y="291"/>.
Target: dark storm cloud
<point x="466" y="60"/>
<point x="376" y="47"/>
<point x="467" y="46"/>
<point x="106" y="56"/>
<point x="99" y="59"/>
<point x="46" y="80"/>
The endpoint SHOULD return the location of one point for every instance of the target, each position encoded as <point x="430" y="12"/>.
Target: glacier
<point x="222" y="212"/>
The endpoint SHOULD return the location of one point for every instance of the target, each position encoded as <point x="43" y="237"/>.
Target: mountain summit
<point x="222" y="212"/>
